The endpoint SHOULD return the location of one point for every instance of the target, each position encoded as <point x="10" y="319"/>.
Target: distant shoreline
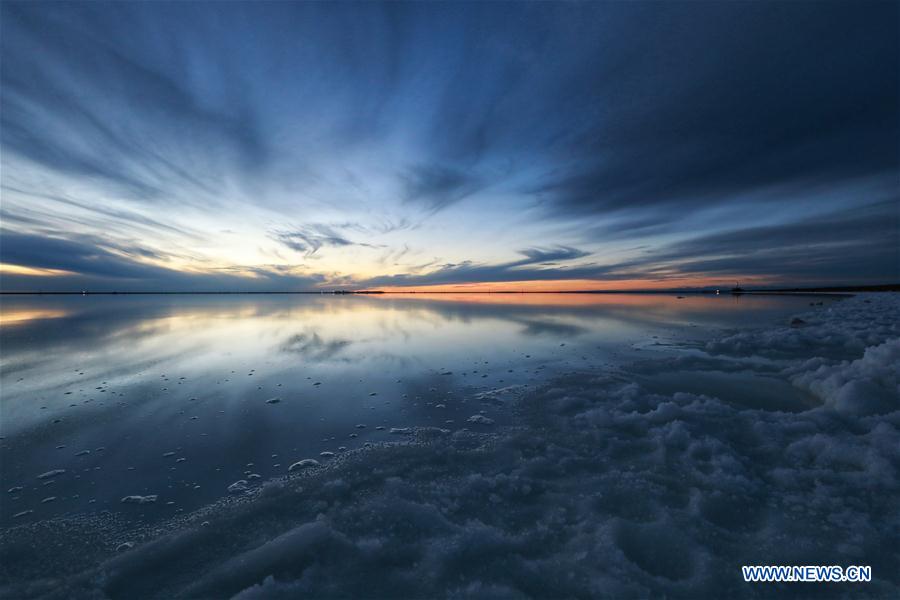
<point x="892" y="287"/>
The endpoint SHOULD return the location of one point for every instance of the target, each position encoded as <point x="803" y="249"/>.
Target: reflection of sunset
<point x="18" y="316"/>
<point x="658" y="300"/>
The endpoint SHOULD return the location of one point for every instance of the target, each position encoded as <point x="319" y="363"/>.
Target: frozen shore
<point x="603" y="488"/>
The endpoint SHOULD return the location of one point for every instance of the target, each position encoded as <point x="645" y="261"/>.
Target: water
<point x="167" y="395"/>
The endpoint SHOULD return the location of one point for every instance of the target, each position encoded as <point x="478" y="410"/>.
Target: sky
<point x="278" y="146"/>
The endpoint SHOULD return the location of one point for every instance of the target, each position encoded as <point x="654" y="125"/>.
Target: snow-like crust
<point x="601" y="490"/>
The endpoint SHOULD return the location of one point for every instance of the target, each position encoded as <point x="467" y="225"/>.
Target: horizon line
<point x="887" y="287"/>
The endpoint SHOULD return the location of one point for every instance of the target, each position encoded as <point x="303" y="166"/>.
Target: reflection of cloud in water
<point x="313" y="347"/>
<point x="534" y="327"/>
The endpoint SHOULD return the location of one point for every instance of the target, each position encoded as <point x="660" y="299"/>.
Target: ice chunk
<point x="304" y="464"/>
<point x="140" y="499"/>
<point x="238" y="487"/>
<point x="50" y="474"/>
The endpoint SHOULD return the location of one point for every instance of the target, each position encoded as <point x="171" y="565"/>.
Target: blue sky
<point x="292" y="146"/>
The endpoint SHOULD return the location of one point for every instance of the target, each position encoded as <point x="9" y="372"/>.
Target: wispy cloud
<point x="309" y="239"/>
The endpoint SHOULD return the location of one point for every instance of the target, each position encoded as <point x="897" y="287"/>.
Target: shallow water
<point x="167" y="395"/>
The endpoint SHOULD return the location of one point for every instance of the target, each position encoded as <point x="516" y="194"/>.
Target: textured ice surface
<point x="602" y="488"/>
<point x="480" y="420"/>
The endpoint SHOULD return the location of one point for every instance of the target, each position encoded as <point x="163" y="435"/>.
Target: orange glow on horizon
<point x="579" y="285"/>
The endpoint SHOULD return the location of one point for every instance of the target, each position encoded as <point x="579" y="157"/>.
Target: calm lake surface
<point x="167" y="395"/>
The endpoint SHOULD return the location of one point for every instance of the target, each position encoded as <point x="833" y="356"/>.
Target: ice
<point x="480" y="420"/>
<point x="51" y="474"/>
<point x="139" y="499"/>
<point x="238" y="487"/>
<point x="304" y="464"/>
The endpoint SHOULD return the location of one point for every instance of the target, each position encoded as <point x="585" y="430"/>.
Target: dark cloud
<point x="729" y="98"/>
<point x="860" y="245"/>
<point x="309" y="239"/>
<point x="544" y="255"/>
